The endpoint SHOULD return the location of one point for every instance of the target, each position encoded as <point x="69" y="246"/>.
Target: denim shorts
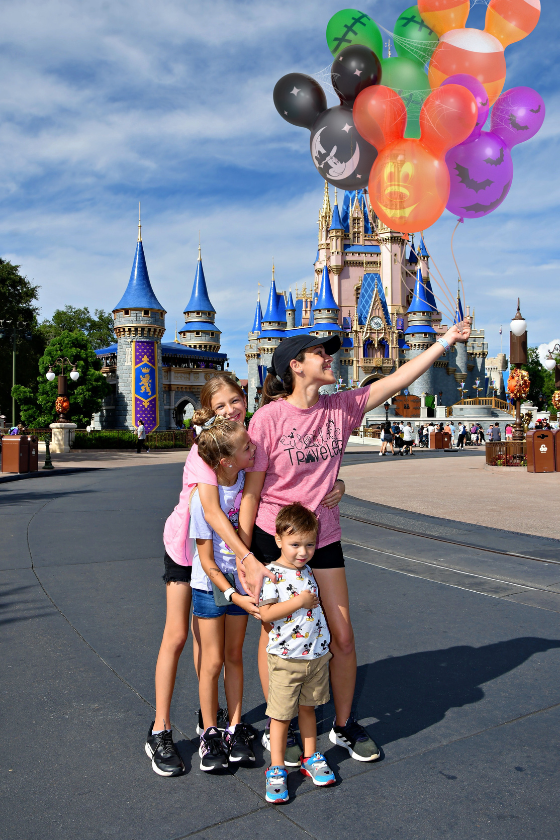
<point x="204" y="606"/>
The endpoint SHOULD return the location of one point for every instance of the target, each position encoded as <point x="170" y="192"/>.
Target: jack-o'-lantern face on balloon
<point x="409" y="181"/>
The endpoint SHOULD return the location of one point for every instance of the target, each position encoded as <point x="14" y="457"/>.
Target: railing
<point x="125" y="439"/>
<point x="366" y="432"/>
<point x="491" y="402"/>
<point x="41" y="434"/>
<point x="506" y="453"/>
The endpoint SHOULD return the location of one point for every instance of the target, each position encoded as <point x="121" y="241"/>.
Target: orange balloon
<point x="512" y="20"/>
<point x="409" y="181"/>
<point x="470" y="51"/>
<point x="444" y="15"/>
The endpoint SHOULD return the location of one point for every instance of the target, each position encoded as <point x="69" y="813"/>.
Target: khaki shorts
<point x="296" y="682"/>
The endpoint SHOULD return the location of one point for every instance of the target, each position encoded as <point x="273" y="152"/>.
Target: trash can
<point x="540" y="451"/>
<point x="436" y="440"/>
<point x="33" y="454"/>
<point x="556" y="434"/>
<point x="15" y="454"/>
<point x="446" y="440"/>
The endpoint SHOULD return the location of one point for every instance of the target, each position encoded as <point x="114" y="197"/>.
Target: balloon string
<point x="448" y="290"/>
<point x="459" y="221"/>
<point x="444" y="310"/>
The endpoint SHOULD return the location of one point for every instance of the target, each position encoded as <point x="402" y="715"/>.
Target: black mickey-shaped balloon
<point x="299" y="99"/>
<point x="353" y="70"/>
<point x="340" y="154"/>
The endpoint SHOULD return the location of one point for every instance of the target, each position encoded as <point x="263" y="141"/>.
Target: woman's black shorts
<point x="174" y="573"/>
<point x="265" y="549"/>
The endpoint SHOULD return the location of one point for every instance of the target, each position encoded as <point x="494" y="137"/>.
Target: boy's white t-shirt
<point x="303" y="634"/>
<point x="230" y="499"/>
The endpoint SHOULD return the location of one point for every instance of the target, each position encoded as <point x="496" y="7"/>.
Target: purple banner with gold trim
<point x="145" y="385"/>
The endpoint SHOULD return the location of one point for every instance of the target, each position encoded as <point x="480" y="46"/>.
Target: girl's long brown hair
<point x="277" y="389"/>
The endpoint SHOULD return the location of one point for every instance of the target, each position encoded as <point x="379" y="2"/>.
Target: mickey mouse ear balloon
<point x="349" y="27"/>
<point x="299" y="99"/>
<point x="355" y="69"/>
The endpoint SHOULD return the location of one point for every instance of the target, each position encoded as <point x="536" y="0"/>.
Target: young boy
<point x="298" y="650"/>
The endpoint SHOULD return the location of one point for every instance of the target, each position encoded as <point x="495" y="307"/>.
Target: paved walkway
<point x="458" y="657"/>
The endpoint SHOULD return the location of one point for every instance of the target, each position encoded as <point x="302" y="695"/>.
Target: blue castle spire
<point x="325" y="298"/>
<point x="290" y="305"/>
<point x="423" y="249"/>
<point x="412" y="258"/>
<point x="257" y="323"/>
<point x="139" y="293"/>
<point x="274" y="310"/>
<point x="422" y="299"/>
<point x="336" y="224"/>
<point x="199" y="300"/>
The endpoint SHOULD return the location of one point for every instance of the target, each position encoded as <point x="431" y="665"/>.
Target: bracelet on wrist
<point x="247" y="555"/>
<point x="444" y="343"/>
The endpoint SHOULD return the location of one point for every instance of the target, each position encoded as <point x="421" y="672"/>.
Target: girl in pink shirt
<point x="300" y="437"/>
<point x="223" y="396"/>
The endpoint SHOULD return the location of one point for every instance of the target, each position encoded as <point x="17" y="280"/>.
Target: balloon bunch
<point x="481" y="167"/>
<point x="473" y="51"/>
<point x="418" y="151"/>
<point x="341" y="156"/>
<point x="518" y="384"/>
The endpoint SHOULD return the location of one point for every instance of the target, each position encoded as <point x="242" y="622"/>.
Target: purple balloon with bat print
<point x="481" y="168"/>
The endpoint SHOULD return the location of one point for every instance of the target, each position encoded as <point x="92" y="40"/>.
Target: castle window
<point x="146" y="313"/>
<point x="197" y="333"/>
<point x="212" y="334"/>
<point x="127" y="311"/>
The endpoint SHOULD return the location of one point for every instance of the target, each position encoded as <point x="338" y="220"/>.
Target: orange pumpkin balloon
<point x="409" y="181"/>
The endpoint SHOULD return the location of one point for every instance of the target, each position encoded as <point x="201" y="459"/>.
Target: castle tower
<point x="290" y="312"/>
<point x="325" y="321"/>
<point x="274" y="317"/>
<point x="139" y="326"/>
<point x="336" y="240"/>
<point x="199" y="330"/>
<point x="420" y="333"/>
<point x="252" y="357"/>
<point x="461" y="351"/>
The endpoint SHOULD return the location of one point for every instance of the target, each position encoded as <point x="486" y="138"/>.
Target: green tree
<point x="86" y="395"/>
<point x="542" y="381"/>
<point x="98" y="327"/>
<point x="17" y="306"/>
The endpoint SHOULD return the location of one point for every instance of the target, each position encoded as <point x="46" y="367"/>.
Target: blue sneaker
<point x="276" y="785"/>
<point x="316" y="766"/>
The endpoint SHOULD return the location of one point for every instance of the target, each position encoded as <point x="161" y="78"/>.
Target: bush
<point x="105" y="440"/>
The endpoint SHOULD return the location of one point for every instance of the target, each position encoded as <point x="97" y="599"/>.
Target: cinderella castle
<point x="371" y="286"/>
<point x="154" y="382"/>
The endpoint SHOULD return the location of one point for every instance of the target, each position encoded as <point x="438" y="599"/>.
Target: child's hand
<point x="246" y="603"/>
<point x="309" y="600"/>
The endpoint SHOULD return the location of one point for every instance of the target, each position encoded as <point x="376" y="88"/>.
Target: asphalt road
<point x="458" y="651"/>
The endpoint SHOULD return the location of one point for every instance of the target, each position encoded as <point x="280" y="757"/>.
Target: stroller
<point x="399" y="445"/>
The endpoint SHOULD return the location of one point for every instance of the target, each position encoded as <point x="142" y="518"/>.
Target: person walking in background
<point x="408" y="436"/>
<point x="481" y="437"/>
<point x="495" y="432"/>
<point x="452" y="430"/>
<point x="462" y="436"/>
<point x="509" y="431"/>
<point x="474" y="434"/>
<point x="387" y="439"/>
<point x="141" y="442"/>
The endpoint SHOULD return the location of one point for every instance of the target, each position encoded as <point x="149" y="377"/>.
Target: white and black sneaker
<point x="292" y="756"/>
<point x="238" y="744"/>
<point x="354" y="738"/>
<point x="160" y="748"/>
<point x="212" y="751"/>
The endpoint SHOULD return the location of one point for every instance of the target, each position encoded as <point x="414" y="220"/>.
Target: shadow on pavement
<point x="408" y="694"/>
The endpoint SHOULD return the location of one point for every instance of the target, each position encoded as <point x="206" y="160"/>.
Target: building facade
<point x="373" y="287"/>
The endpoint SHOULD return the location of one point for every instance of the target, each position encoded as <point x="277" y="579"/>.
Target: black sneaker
<point x="212" y="751"/>
<point x="354" y="738"/>
<point x="238" y="745"/>
<point x="222" y="721"/>
<point x="166" y="761"/>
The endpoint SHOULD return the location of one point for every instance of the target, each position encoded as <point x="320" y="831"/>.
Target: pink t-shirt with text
<point x="176" y="531"/>
<point x="301" y="451"/>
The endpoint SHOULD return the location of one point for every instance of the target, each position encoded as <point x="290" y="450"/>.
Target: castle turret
<point x="290" y="312"/>
<point x="325" y="320"/>
<point x="199" y="330"/>
<point x="274" y="317"/>
<point x="461" y="351"/>
<point x="336" y="238"/>
<point x="252" y="356"/>
<point x="420" y="333"/>
<point x="139" y="326"/>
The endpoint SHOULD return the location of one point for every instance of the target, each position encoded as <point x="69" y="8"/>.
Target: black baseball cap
<point x="291" y="347"/>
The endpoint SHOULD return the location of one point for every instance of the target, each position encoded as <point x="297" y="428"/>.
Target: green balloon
<point x="410" y="81"/>
<point x="413" y="38"/>
<point x="350" y="26"/>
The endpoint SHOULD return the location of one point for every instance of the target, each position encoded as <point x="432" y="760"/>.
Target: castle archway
<point x="369" y="379"/>
<point x="184" y="410"/>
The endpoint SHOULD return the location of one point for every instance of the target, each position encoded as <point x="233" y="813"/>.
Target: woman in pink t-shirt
<point x="222" y="395"/>
<point x="300" y="437"/>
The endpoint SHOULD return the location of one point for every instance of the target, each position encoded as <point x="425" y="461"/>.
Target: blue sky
<point x="104" y="104"/>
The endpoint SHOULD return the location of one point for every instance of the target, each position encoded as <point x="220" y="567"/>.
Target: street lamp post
<point x="517" y="358"/>
<point x="477" y="389"/>
<point x="463" y="389"/>
<point x="386" y="407"/>
<point x="19" y="328"/>
<point x="62" y="404"/>
<point x="551" y="365"/>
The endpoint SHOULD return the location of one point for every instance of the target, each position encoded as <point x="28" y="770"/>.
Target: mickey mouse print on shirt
<point x="304" y="633"/>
